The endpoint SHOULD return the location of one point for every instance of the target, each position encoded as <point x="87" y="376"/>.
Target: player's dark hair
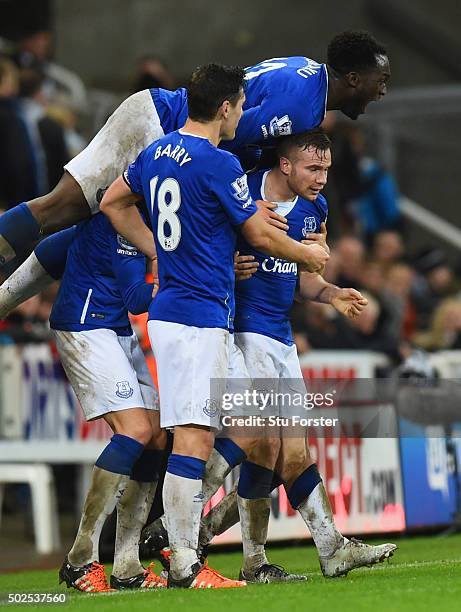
<point x="210" y="86"/>
<point x="316" y="139"/>
<point x="354" y="52"/>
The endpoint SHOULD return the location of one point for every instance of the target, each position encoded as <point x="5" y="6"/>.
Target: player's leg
<point x="45" y="265"/>
<point x="104" y="382"/>
<point x="262" y="358"/>
<point x="22" y="226"/>
<point x="253" y="498"/>
<point x="134" y="505"/>
<point x="188" y="358"/>
<point x="306" y="493"/>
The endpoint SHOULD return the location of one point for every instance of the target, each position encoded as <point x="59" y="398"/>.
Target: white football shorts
<point x="106" y="371"/>
<point x="133" y="126"/>
<point x="273" y="368"/>
<point x="192" y="366"/>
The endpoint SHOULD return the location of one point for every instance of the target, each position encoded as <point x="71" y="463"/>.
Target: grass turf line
<point x="424" y="574"/>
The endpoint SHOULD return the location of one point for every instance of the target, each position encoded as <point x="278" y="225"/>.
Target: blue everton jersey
<point x="171" y="107"/>
<point x="263" y="302"/>
<point x="197" y="195"/>
<point x="284" y="95"/>
<point x="104" y="278"/>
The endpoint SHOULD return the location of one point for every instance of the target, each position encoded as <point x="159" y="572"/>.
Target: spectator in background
<point x="34" y="50"/>
<point x="435" y="281"/>
<point x="444" y="332"/>
<point x="397" y="285"/>
<point x="151" y="72"/>
<point x="388" y="248"/>
<point x="46" y="134"/>
<point x="17" y="176"/>
<point x="27" y="323"/>
<point x="347" y="258"/>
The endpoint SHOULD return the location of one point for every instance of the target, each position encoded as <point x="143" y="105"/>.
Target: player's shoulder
<point x="322" y="203"/>
<point x="225" y="160"/>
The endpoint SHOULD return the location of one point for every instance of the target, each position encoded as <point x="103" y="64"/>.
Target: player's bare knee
<point x="158" y="440"/>
<point x="193" y="441"/>
<point x="133" y="423"/>
<point x="294" y="460"/>
<point x="265" y="452"/>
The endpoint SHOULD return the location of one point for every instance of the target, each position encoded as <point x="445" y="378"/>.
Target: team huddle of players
<point x="200" y="208"/>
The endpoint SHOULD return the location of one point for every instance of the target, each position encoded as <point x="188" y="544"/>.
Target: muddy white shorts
<point x="106" y="371"/>
<point x="274" y="371"/>
<point x="192" y="365"/>
<point x="133" y="126"/>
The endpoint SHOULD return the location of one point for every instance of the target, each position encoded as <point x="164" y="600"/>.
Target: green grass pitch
<point x="424" y="574"/>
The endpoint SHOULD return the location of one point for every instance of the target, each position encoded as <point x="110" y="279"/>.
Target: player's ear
<point x="224" y="109"/>
<point x="285" y="165"/>
<point x="353" y="79"/>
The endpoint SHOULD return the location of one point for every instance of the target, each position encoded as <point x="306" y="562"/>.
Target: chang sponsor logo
<point x="273" y="264"/>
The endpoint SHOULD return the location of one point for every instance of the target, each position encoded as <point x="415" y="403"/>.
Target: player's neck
<point x="209" y="130"/>
<point x="335" y="90"/>
<point x="276" y="188"/>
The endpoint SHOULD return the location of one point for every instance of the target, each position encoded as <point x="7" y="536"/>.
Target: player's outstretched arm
<point x="272" y="241"/>
<point x="119" y="204"/>
<point x="313" y="287"/>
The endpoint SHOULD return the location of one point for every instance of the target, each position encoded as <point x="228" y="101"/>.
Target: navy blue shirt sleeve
<point x="52" y="251"/>
<point x="129" y="268"/>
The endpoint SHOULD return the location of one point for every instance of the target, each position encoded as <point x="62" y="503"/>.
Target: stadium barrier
<point x="374" y="485"/>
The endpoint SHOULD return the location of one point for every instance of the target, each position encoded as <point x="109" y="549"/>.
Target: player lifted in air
<point x="104" y="277"/>
<point x="198" y="198"/>
<point x="283" y="96"/>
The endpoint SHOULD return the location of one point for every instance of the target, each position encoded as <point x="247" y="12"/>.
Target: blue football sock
<point x="304" y="485"/>
<point x="187" y="467"/>
<point x="231" y="451"/>
<point x="120" y="455"/>
<point x="146" y="468"/>
<point x="255" y="481"/>
<point x="19" y="228"/>
<point x="277" y="481"/>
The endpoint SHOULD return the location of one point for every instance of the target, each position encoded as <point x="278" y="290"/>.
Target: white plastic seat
<point x="39" y="477"/>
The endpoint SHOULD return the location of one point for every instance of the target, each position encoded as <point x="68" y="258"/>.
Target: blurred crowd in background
<point x="414" y="298"/>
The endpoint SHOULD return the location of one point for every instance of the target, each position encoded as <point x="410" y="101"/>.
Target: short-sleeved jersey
<point x="197" y="195"/>
<point x="263" y="302"/>
<point x="104" y="277"/>
<point x="284" y="95"/>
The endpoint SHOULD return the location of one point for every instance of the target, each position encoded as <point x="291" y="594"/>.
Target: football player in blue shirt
<point x="283" y="96"/>
<point x="197" y="196"/>
<point x="264" y="351"/>
<point x="262" y="327"/>
<point x="103" y="277"/>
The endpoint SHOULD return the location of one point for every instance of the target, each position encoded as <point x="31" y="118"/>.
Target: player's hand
<point x="348" y="302"/>
<point x="320" y="238"/>
<point x="271" y="217"/>
<point x="316" y="258"/>
<point x="244" y="266"/>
